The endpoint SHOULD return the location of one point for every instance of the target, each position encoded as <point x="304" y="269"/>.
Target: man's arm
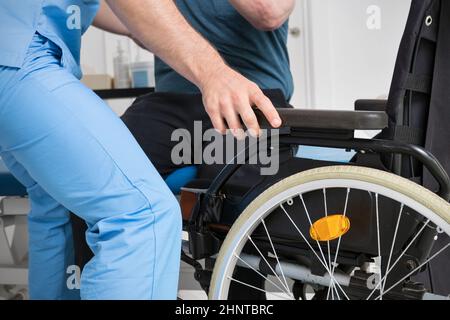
<point x="227" y="95"/>
<point x="107" y="20"/>
<point x="265" y="15"/>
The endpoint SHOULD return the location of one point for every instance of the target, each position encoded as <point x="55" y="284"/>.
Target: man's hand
<point x="228" y="99"/>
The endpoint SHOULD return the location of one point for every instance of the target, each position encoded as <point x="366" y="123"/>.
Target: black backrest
<point x="418" y="104"/>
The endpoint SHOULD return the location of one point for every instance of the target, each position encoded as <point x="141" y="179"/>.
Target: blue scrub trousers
<point x="74" y="154"/>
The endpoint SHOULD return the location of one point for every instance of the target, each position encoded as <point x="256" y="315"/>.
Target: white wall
<point x="347" y="60"/>
<point x="298" y="52"/>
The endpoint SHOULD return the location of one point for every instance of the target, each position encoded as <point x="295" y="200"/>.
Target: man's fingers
<point x="251" y="122"/>
<point x="213" y="110"/>
<point x="265" y="105"/>
<point x="218" y="123"/>
<point x="233" y="121"/>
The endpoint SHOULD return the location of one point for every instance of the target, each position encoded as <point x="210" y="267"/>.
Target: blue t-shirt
<point x="61" y="21"/>
<point x="260" y="56"/>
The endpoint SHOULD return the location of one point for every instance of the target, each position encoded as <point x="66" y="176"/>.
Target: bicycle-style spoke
<point x="263" y="276"/>
<point x="328" y="242"/>
<point x="324" y="261"/>
<point x="317" y="242"/>
<point x="416" y="269"/>
<point x="377" y="209"/>
<point x="394" y="240"/>
<point x="256" y="288"/>
<point x="399" y="258"/>
<point x="314" y="252"/>
<point x="275" y="254"/>
<point x="267" y="262"/>
<point x="340" y="238"/>
<point x="334" y="290"/>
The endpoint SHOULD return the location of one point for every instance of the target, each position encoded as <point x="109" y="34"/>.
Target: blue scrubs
<point x="74" y="154"/>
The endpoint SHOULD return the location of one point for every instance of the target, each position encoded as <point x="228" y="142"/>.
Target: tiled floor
<point x="189" y="287"/>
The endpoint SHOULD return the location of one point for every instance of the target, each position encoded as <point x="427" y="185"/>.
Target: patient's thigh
<point x="152" y="119"/>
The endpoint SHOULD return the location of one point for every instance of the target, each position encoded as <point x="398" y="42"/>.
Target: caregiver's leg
<point x="50" y="240"/>
<point x="81" y="154"/>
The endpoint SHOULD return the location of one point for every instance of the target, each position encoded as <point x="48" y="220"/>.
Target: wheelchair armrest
<point x="329" y="119"/>
<point x="371" y="105"/>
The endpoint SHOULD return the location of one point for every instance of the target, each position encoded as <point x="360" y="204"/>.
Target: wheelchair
<point x="319" y="229"/>
<point x="371" y="228"/>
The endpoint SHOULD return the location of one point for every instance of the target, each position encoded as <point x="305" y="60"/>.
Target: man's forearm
<point x="163" y="30"/>
<point x="265" y="14"/>
<point x="107" y="20"/>
<point x="228" y="97"/>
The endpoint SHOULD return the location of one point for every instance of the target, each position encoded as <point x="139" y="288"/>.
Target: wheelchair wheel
<point x="343" y="232"/>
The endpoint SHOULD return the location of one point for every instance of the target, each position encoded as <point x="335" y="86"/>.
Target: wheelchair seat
<point x="9" y="186"/>
<point x="325" y="154"/>
<point x="180" y="178"/>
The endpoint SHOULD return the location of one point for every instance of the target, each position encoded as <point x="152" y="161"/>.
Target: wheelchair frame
<point x="203" y="244"/>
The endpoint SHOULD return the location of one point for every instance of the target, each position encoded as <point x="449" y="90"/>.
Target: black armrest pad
<point x="329" y="119"/>
<point x="370" y="105"/>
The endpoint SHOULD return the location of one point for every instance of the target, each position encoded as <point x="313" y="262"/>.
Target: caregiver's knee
<point x="171" y="207"/>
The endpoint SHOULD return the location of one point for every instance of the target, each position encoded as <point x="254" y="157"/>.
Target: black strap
<point x="407" y="135"/>
<point x="418" y="83"/>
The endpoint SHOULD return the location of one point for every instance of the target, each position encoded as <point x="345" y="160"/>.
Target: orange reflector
<point x="330" y="228"/>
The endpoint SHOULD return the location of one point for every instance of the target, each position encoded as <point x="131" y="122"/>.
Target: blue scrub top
<point x="260" y="56"/>
<point x="61" y="21"/>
